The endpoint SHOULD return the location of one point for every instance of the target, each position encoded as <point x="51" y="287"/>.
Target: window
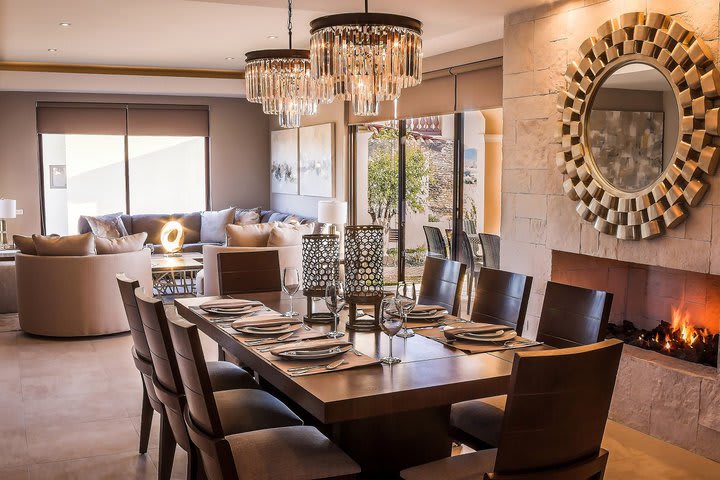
<point x="121" y="158"/>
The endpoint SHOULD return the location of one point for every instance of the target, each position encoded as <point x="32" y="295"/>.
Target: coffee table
<point x="175" y="275"/>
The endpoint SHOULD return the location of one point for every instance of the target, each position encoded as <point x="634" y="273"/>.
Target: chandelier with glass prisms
<point x="365" y="57"/>
<point x="280" y="81"/>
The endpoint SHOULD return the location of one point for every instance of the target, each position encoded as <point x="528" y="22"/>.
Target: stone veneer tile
<point x="710" y="403"/>
<point x="677" y="253"/>
<point x="696" y="14"/>
<point x="708" y="443"/>
<point x="715" y="243"/>
<point x="531" y="206"/>
<point x="699" y="224"/>
<point x="516" y="181"/>
<point x="528" y="108"/>
<point x="518" y="48"/>
<point x="518" y="84"/>
<point x="632" y="397"/>
<point x="564" y="225"/>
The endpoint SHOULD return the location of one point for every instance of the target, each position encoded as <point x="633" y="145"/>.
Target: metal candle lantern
<point x="363" y="272"/>
<point x="320" y="265"/>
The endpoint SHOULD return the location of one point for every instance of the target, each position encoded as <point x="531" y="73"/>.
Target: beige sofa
<point x="76" y="296"/>
<point x="208" y="283"/>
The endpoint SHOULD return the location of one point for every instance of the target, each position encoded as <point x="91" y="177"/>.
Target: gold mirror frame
<point x="672" y="48"/>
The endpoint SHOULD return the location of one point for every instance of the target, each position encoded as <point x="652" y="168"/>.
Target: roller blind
<point x="173" y="122"/>
<point x="469" y="87"/>
<point x="88" y="120"/>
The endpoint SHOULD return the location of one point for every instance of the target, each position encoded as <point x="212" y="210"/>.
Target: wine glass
<point x="390" y="324"/>
<point x="405" y="298"/>
<point x="290" y="285"/>
<point x="335" y="301"/>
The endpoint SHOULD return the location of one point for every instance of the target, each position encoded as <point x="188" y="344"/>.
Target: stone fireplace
<point x="543" y="236"/>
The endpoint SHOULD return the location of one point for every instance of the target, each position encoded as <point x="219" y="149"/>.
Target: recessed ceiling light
<point x="229" y="58"/>
<point x="52" y="50"/>
<point x="272" y="37"/>
<point x="65" y="24"/>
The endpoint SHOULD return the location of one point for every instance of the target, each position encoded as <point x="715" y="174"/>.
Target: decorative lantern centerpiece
<point x="320" y="266"/>
<point x="364" y="282"/>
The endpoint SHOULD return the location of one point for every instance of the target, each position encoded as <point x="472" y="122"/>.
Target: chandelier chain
<point x="366" y="6"/>
<point x="289" y="25"/>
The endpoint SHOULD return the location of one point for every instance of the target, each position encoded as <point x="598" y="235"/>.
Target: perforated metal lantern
<point x="320" y="265"/>
<point x="364" y="249"/>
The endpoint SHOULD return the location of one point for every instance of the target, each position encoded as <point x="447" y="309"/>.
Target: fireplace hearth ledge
<point x="670" y="399"/>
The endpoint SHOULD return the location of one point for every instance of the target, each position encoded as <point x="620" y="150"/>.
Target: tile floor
<point x="69" y="409"/>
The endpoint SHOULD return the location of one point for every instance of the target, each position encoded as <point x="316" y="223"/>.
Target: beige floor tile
<point x="63" y="410"/>
<point x="37" y="363"/>
<point x="154" y="430"/>
<point x="11" y="406"/>
<point x="124" y="466"/>
<point x="48" y="443"/>
<point x="17" y="473"/>
<point x="13" y="448"/>
<point x="70" y="384"/>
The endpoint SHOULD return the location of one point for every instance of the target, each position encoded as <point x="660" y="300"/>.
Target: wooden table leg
<point x="385" y="445"/>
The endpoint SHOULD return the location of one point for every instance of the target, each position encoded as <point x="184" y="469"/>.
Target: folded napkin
<point x="264" y="321"/>
<point x="473" y="328"/>
<point x="231" y="303"/>
<point x="427" y="308"/>
<point x="309" y="345"/>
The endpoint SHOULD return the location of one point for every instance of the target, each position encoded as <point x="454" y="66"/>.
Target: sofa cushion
<point x="284" y="237"/>
<point x="191" y="223"/>
<point x="278" y="217"/>
<point x="247" y="216"/>
<point x="213" y="225"/>
<point x="196" y="247"/>
<point x="150" y="223"/>
<point x="128" y="243"/>
<point x="84" y="226"/>
<point x="256" y="235"/>
<point x="25" y="244"/>
<point x="70" y="245"/>
<point x="106" y="226"/>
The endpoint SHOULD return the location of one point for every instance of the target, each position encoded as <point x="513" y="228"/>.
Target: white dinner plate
<point x="488" y="338"/>
<point x="309" y="354"/>
<point x="274" y="330"/>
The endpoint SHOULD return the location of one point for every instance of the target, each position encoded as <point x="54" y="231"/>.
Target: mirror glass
<point x="633" y="126"/>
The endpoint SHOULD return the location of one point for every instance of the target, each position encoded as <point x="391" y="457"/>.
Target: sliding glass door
<point x="440" y="172"/>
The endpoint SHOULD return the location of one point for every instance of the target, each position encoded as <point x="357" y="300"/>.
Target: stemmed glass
<point x="391" y="325"/>
<point x="290" y="285"/>
<point x="405" y="298"/>
<point x="335" y="301"/>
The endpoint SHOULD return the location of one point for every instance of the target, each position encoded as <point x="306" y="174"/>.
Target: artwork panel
<point x="284" y="161"/>
<point x="317" y="162"/>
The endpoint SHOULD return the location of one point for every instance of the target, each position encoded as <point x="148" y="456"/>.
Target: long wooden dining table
<point x="385" y="417"/>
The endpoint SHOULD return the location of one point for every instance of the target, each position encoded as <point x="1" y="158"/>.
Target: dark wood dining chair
<point x="249" y="272"/>
<point x="571" y="316"/>
<point x="442" y="284"/>
<point x="435" y="242"/>
<point x="141" y="356"/>
<point x="501" y="298"/>
<point x="244" y="406"/>
<point x="290" y="452"/>
<point x="557" y="408"/>
<point x="490" y="245"/>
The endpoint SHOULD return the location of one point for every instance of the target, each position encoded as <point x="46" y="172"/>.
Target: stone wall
<point x="536" y="217"/>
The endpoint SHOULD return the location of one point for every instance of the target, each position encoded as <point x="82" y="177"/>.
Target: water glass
<point x="335" y="301"/>
<point x="405" y="298"/>
<point x="290" y="285"/>
<point x="390" y="324"/>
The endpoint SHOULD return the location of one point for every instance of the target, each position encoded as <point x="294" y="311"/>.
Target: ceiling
<point x="202" y="33"/>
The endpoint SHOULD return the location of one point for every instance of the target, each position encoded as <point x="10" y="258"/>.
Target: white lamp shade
<point x="330" y="211"/>
<point x="7" y="208"/>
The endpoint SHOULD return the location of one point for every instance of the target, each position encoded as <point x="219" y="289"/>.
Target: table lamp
<point x="8" y="210"/>
<point x="331" y="213"/>
<point x="172" y="238"/>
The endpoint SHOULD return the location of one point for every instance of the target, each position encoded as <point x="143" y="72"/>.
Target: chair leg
<point x="195" y="470"/>
<point x="146" y="416"/>
<point x="221" y="354"/>
<point x="469" y="292"/>
<point x="167" y="449"/>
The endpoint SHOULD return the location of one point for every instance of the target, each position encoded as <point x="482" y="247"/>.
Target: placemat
<point x="352" y="359"/>
<point x="467" y="346"/>
<point x="299" y="334"/>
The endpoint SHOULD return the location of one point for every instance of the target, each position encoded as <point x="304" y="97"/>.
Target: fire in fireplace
<point x="679" y="338"/>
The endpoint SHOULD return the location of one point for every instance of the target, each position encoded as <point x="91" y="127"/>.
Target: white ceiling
<point x="202" y="33"/>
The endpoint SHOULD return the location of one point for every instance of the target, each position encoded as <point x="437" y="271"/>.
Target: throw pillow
<point x="247" y="216"/>
<point x="292" y="220"/>
<point x="212" y="225"/>
<point x="128" y="243"/>
<point x="256" y="235"/>
<point x="25" y="244"/>
<point x="284" y="237"/>
<point x="107" y="226"/>
<point x="304" y="229"/>
<point x="71" y="245"/>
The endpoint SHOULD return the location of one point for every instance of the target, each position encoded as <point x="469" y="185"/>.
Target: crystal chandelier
<point x="365" y="57"/>
<point x="280" y="80"/>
